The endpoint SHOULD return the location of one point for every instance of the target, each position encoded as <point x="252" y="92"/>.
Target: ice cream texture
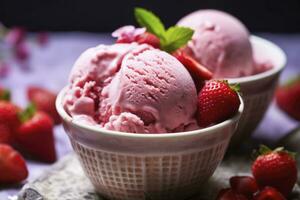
<point x="221" y="43"/>
<point x="131" y="88"/>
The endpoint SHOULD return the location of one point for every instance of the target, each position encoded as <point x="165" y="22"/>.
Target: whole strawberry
<point x="6" y="136"/>
<point x="288" y="98"/>
<point x="217" y="101"/>
<point x="44" y="100"/>
<point x="12" y="165"/>
<point x="269" y="193"/>
<point x="276" y="169"/>
<point x="9" y="121"/>
<point x="35" y="135"/>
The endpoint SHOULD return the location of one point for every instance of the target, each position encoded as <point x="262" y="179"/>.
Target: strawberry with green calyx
<point x="217" y="101"/>
<point x="288" y="98"/>
<point x="44" y="100"/>
<point x="12" y="166"/>
<point x="275" y="168"/>
<point x="35" y="135"/>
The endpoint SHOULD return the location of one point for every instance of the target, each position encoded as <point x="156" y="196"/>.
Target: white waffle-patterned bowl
<point x="127" y="166"/>
<point x="258" y="90"/>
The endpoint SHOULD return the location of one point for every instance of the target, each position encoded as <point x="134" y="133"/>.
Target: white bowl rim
<point x="267" y="73"/>
<point x="66" y="117"/>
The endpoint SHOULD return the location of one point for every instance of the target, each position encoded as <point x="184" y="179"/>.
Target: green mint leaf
<point x="176" y="37"/>
<point x="150" y="21"/>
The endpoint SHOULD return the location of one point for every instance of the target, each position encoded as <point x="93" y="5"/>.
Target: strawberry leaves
<point x="5" y="95"/>
<point x="28" y="113"/>
<point x="171" y="39"/>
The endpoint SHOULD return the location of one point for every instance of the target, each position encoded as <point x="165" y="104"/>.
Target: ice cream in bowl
<point x="143" y="121"/>
<point x="223" y="45"/>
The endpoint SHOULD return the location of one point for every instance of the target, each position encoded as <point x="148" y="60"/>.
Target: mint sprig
<point x="150" y="21"/>
<point x="171" y="39"/>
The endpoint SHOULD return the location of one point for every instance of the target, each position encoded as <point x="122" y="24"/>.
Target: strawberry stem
<point x="263" y="150"/>
<point x="292" y="81"/>
<point x="5" y="95"/>
<point x="27" y="113"/>
<point x="235" y="87"/>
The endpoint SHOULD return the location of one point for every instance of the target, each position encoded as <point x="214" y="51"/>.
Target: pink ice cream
<point x="131" y="88"/>
<point x="221" y="43"/>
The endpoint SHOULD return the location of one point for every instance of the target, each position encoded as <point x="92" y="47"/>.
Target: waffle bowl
<point x="258" y="90"/>
<point x="127" y="166"/>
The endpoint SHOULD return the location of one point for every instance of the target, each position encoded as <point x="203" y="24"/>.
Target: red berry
<point x="9" y="117"/>
<point x="35" y="135"/>
<point x="197" y="71"/>
<point x="6" y="136"/>
<point x="148" y="38"/>
<point x="217" y="101"/>
<point x="44" y="100"/>
<point x="12" y="165"/>
<point x="245" y="185"/>
<point x="276" y="168"/>
<point x="288" y="98"/>
<point x="229" y="194"/>
<point x="269" y="193"/>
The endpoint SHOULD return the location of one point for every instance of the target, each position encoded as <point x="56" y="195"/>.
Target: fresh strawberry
<point x="288" y="98"/>
<point x="217" y="101"/>
<point x="6" y="136"/>
<point x="269" y="193"/>
<point x="229" y="194"/>
<point x="44" y="100"/>
<point x="148" y="38"/>
<point x="197" y="71"/>
<point x="275" y="168"/>
<point x="9" y="115"/>
<point x="12" y="165"/>
<point x="245" y="185"/>
<point x="35" y="135"/>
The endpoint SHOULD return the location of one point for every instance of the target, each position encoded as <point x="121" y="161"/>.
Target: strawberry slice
<point x="193" y="66"/>
<point x="35" y="135"/>
<point x="148" y="38"/>
<point x="12" y="165"/>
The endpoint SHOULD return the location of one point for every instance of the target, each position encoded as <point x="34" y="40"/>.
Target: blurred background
<point x="105" y="16"/>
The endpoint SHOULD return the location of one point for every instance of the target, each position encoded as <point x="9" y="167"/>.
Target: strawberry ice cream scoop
<point x="221" y="43"/>
<point x="136" y="89"/>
